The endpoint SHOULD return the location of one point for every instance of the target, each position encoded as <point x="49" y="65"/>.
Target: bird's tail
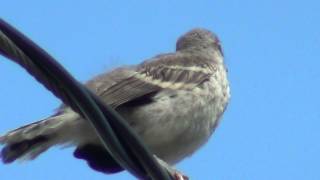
<point x="27" y="142"/>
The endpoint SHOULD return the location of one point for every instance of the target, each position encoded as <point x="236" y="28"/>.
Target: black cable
<point x="119" y="140"/>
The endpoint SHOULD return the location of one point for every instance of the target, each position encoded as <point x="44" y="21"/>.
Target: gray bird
<point x="173" y="101"/>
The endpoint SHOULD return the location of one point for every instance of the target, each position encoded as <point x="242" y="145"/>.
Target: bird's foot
<point x="179" y="176"/>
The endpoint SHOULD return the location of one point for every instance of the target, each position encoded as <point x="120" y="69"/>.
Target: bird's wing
<point x="120" y="86"/>
<point x="170" y="71"/>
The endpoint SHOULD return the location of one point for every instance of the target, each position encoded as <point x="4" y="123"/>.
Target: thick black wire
<point x="72" y="98"/>
<point x="127" y="149"/>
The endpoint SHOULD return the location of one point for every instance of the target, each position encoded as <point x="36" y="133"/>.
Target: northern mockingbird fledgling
<point x="173" y="101"/>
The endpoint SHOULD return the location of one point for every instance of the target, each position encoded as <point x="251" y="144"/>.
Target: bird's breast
<point x="178" y="122"/>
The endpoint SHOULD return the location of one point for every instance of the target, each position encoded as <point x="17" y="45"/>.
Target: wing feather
<point x="163" y="72"/>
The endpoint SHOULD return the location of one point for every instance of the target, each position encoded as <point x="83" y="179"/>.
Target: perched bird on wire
<point x="173" y="101"/>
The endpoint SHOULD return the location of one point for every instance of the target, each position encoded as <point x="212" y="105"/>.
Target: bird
<point x="173" y="101"/>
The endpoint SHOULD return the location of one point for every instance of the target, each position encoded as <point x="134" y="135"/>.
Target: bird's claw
<point x="179" y="176"/>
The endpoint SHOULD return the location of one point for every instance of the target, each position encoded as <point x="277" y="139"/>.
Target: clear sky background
<point x="271" y="128"/>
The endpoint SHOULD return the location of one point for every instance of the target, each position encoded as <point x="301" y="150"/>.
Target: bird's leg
<point x="177" y="175"/>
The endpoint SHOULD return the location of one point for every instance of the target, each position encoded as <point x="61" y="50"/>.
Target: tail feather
<point x="12" y="152"/>
<point x="23" y="132"/>
<point x="27" y="142"/>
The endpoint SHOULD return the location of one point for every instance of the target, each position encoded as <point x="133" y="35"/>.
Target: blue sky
<point x="271" y="127"/>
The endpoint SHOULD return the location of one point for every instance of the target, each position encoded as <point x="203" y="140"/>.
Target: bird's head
<point x="199" y="39"/>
